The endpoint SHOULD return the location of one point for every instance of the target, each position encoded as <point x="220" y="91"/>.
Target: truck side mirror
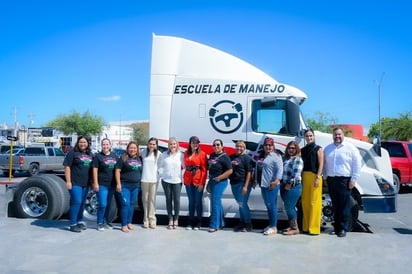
<point x="377" y="146"/>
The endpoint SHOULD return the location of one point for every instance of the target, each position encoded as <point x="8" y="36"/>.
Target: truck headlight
<point x="385" y="187"/>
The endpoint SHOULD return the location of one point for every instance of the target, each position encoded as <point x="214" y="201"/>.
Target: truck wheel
<point x="327" y="212"/>
<point x="92" y="204"/>
<point x="36" y="197"/>
<point x="33" y="169"/>
<point x="63" y="193"/>
<point x="396" y="183"/>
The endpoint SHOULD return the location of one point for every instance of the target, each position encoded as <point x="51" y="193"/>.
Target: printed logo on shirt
<point x="109" y="162"/>
<point x="134" y="163"/>
<point x="85" y="159"/>
<point x="236" y="162"/>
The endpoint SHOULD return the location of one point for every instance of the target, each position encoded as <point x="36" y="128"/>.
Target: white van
<point x="198" y="90"/>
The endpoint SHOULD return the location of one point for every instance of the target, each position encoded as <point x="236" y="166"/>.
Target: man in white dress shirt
<point x="341" y="170"/>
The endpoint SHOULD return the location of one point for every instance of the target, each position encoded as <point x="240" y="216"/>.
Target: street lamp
<point x="24" y="135"/>
<point x="379" y="83"/>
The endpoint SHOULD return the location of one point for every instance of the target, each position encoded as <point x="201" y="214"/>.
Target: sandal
<point x="125" y="229"/>
<point x="170" y="225"/>
<point x="130" y="226"/>
<point x="175" y="224"/>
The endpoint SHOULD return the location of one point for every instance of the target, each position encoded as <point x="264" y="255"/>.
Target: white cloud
<point x="111" y="98"/>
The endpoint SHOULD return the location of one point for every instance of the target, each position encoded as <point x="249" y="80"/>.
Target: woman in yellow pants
<point x="312" y="156"/>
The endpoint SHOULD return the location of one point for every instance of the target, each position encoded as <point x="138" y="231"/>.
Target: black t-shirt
<point x="218" y="164"/>
<point x="131" y="170"/>
<point x="241" y="165"/>
<point x="80" y="167"/>
<point x="105" y="165"/>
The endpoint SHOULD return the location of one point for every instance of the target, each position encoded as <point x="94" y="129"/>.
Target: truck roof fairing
<point x="174" y="57"/>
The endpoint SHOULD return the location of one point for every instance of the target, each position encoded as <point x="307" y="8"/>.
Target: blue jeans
<point x="195" y="198"/>
<point x="290" y="198"/>
<point x="104" y="197"/>
<point x="78" y="196"/>
<point x="242" y="200"/>
<point x="172" y="194"/>
<point x="270" y="198"/>
<point x="128" y="200"/>
<point x="217" y="217"/>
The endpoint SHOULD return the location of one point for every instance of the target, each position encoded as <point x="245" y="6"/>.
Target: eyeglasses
<point x="291" y="147"/>
<point x="216" y="145"/>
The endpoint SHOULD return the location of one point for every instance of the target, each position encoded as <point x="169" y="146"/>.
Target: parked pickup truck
<point x="400" y="153"/>
<point x="33" y="160"/>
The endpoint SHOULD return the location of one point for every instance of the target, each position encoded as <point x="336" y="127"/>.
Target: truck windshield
<point x="275" y="117"/>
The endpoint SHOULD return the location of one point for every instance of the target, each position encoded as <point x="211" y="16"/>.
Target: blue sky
<point x="62" y="56"/>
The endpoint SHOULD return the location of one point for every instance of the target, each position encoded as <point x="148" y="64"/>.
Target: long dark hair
<point x="156" y="150"/>
<point x="126" y="154"/>
<point x="189" y="150"/>
<point x="77" y="148"/>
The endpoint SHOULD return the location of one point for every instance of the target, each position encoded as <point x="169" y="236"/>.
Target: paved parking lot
<point x="44" y="246"/>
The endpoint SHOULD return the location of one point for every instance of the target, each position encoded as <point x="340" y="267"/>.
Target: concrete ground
<point x="46" y="246"/>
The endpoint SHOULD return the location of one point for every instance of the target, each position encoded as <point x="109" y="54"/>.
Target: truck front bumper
<point x="379" y="204"/>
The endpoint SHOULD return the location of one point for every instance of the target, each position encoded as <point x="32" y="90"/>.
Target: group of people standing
<point x="301" y="175"/>
<point x="298" y="174"/>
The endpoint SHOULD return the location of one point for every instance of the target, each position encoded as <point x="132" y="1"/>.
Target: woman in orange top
<point x="194" y="178"/>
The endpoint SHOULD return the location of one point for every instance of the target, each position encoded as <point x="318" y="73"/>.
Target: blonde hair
<point x="241" y="143"/>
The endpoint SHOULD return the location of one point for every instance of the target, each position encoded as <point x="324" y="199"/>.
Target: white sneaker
<point x="189" y="227"/>
<point x="108" y="226"/>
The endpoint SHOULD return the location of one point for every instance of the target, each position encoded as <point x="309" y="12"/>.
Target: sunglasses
<point x="216" y="145"/>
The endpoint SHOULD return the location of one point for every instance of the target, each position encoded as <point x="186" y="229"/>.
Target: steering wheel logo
<point x="226" y="116"/>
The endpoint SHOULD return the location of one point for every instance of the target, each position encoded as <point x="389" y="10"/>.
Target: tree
<point x="84" y="124"/>
<point x="321" y="122"/>
<point x="140" y="132"/>
<point x="393" y="128"/>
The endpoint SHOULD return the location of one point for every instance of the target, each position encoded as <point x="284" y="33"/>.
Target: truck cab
<point x="199" y="90"/>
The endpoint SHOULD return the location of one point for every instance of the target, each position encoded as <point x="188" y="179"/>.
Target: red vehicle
<point x="401" y="159"/>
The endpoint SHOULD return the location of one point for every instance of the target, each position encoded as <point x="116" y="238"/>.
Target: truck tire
<point x="396" y="183"/>
<point x="92" y="204"/>
<point x="36" y="197"/>
<point x="63" y="193"/>
<point x="33" y="169"/>
<point x="327" y="218"/>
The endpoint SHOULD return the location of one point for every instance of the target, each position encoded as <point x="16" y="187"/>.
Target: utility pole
<point x="379" y="84"/>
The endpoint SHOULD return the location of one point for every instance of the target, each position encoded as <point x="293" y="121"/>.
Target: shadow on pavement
<point x="403" y="230"/>
<point x="56" y="224"/>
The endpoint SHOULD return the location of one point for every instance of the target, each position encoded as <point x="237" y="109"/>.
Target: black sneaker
<point x="82" y="226"/>
<point x="75" y="228"/>
<point x="238" y="228"/>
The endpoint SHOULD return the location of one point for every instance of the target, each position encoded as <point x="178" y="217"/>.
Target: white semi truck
<point x="198" y="90"/>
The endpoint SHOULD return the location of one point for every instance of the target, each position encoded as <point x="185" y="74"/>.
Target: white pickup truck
<point x="33" y="160"/>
